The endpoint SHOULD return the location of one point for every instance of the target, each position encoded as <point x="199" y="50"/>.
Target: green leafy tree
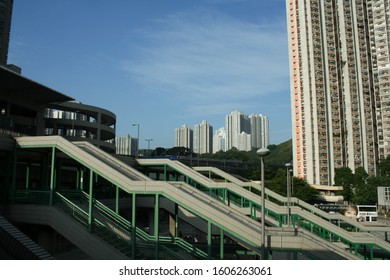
<point x="278" y="183"/>
<point x="366" y="194"/>
<point x="300" y="188"/>
<point x="179" y="151"/>
<point x="160" y="151"/>
<point x="345" y="178"/>
<point x="363" y="193"/>
<point x="360" y="177"/>
<point x="384" y="167"/>
<point x="303" y="191"/>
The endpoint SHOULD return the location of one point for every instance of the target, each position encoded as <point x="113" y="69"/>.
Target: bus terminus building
<point x="340" y="85"/>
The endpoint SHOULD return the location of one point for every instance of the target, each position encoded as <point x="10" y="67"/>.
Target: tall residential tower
<point x="203" y="138"/>
<point x="259" y="130"/>
<point x="184" y="137"/>
<point x="5" y="28"/>
<point x="338" y="63"/>
<point x="236" y="123"/>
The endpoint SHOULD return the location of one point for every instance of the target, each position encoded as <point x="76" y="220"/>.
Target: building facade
<point x="203" y="138"/>
<point x="80" y="122"/>
<point x="379" y="26"/>
<point x="254" y="127"/>
<point x="245" y="141"/>
<point x="384" y="198"/>
<point x="184" y="137"/>
<point x="219" y="140"/>
<point x="337" y="112"/>
<point x="5" y="28"/>
<point x="259" y="131"/>
<point x="236" y="123"/>
<point x="126" y="145"/>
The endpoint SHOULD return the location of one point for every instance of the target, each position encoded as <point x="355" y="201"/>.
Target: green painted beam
<point x="52" y="175"/>
<point x="90" y="202"/>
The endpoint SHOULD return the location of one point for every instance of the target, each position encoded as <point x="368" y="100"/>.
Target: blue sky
<point x="160" y="63"/>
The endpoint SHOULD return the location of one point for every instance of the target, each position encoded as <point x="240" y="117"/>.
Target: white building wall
<point x="126" y="145"/>
<point x="219" y="140"/>
<point x="184" y="137"/>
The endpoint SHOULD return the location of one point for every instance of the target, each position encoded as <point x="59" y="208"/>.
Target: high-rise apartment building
<point x="379" y="27"/>
<point x="338" y="70"/>
<point x="236" y="122"/>
<point x="241" y="127"/>
<point x="219" y="140"/>
<point x="203" y="138"/>
<point x="126" y="145"/>
<point x="259" y="131"/>
<point x="5" y="28"/>
<point x="184" y="137"/>
<point x="245" y="141"/>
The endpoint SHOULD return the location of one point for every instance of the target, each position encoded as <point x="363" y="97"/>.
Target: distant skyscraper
<point x="219" y="140"/>
<point x="184" y="137"/>
<point x="256" y="126"/>
<point x="5" y="28"/>
<point x="244" y="141"/>
<point x="259" y="131"/>
<point x="203" y="138"/>
<point x="236" y="123"/>
<point x="340" y="85"/>
<point x="126" y="145"/>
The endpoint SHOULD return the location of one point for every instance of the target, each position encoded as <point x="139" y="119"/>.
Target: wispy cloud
<point x="205" y="58"/>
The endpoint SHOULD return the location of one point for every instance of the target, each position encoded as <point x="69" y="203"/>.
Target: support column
<point x="78" y="171"/>
<point x="173" y="222"/>
<point x="82" y="179"/>
<point x="14" y="172"/>
<point x="133" y="226"/>
<point x="98" y="127"/>
<point x="209" y="239"/>
<point x="90" y="202"/>
<point x="52" y="175"/>
<point x="224" y="195"/>
<point x="156" y="227"/>
<point x="371" y="252"/>
<point x="177" y="233"/>
<point x="254" y="211"/>
<point x="221" y="244"/>
<point x="28" y="176"/>
<point x="117" y="199"/>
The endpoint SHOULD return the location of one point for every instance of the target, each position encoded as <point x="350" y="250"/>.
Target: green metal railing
<point x="364" y="250"/>
<point x="221" y="193"/>
<point x="115" y="230"/>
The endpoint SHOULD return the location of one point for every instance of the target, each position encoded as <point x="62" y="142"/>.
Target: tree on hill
<point x="299" y="188"/>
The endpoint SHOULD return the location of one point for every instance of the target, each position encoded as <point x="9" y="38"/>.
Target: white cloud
<point x="205" y="58"/>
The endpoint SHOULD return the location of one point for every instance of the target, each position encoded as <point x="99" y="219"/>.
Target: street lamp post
<point x="263" y="152"/>
<point x="288" y="167"/>
<point x="137" y="125"/>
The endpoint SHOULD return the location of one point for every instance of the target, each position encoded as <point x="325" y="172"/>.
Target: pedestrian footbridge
<point x="111" y="210"/>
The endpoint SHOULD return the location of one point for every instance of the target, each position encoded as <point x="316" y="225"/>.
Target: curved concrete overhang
<point x="20" y="90"/>
<point x="107" y="117"/>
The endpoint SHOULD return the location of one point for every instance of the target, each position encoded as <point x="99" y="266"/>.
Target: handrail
<point x="311" y="214"/>
<point x="295" y="201"/>
<point x="109" y="159"/>
<point x="117" y="225"/>
<point x="218" y="213"/>
<point x="201" y="208"/>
